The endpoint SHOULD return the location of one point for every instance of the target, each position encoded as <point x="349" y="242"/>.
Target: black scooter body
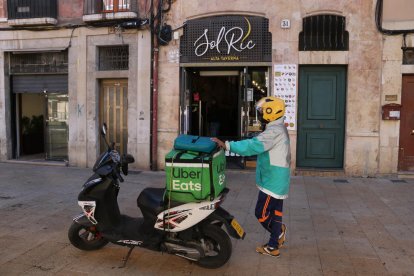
<point x="115" y="227"/>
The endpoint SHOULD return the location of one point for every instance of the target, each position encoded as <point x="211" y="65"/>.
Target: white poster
<point x="285" y="79"/>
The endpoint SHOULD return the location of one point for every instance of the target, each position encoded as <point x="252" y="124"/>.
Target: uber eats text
<point x="187" y="177"/>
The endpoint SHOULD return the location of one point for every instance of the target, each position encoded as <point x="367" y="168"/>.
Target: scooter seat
<point x="151" y="201"/>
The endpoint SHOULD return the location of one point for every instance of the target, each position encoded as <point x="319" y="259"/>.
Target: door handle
<point x="412" y="132"/>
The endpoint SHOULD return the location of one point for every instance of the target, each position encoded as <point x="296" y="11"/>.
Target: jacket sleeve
<point x="254" y="146"/>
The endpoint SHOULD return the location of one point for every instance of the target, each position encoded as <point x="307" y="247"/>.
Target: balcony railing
<point x="109" y="6"/>
<point x="28" y="9"/>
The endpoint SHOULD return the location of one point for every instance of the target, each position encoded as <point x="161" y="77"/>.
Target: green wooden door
<point x="321" y="116"/>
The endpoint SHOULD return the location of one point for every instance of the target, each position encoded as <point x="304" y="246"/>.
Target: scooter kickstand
<point x="125" y="259"/>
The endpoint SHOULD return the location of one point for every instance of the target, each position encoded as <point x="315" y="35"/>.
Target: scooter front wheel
<point x="85" y="238"/>
<point x="217" y="247"/>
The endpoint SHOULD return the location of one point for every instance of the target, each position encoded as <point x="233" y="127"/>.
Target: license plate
<point x="236" y="226"/>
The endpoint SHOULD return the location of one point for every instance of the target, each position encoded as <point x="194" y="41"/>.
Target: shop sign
<point x="226" y="39"/>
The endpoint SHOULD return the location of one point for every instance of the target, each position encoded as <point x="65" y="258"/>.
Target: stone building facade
<point x="336" y="69"/>
<point x="79" y="41"/>
<point x="372" y="64"/>
<point x="397" y="72"/>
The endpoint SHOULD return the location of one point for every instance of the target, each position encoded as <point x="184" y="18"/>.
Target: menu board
<point x="285" y="79"/>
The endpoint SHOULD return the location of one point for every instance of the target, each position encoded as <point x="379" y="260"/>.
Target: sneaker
<point x="282" y="236"/>
<point x="267" y="250"/>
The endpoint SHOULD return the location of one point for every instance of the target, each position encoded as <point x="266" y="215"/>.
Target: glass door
<point x="245" y="98"/>
<point x="254" y="86"/>
<point x="257" y="89"/>
<point x="185" y="102"/>
<point x="57" y="126"/>
<point x="244" y="108"/>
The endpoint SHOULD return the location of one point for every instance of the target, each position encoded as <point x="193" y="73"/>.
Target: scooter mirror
<point x="104" y="128"/>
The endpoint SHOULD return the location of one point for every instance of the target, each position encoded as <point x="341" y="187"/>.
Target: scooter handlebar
<point x="116" y="171"/>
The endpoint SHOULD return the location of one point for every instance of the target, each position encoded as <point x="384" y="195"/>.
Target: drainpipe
<point x="154" y="93"/>
<point x="155" y="107"/>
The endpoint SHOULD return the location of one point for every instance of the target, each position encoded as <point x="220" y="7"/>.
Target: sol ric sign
<point x="233" y="38"/>
<point x="226" y="39"/>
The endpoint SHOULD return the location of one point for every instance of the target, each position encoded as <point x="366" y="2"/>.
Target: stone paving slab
<point x="362" y="227"/>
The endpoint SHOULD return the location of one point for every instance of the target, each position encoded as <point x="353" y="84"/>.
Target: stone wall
<point x="391" y="85"/>
<point x="70" y="11"/>
<point x="3" y="10"/>
<point x="397" y="15"/>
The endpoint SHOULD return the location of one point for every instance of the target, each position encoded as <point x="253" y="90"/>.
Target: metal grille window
<point x="324" y="33"/>
<point x="113" y="58"/>
<point x="21" y="9"/>
<point x="44" y="62"/>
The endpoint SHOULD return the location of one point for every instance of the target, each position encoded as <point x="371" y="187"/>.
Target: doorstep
<point x="250" y="164"/>
<point x="319" y="172"/>
<point x="406" y="174"/>
<point x="38" y="162"/>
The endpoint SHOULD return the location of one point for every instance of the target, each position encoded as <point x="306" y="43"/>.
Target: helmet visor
<point x="259" y="105"/>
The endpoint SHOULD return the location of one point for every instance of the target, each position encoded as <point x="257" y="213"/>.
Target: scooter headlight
<point x="115" y="156"/>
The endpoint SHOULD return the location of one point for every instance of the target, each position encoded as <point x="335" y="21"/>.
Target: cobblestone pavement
<point x="353" y="226"/>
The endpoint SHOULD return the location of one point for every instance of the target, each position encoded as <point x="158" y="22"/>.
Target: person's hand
<point x="219" y="143"/>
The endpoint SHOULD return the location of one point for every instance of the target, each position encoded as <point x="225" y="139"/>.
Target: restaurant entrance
<point x="219" y="102"/>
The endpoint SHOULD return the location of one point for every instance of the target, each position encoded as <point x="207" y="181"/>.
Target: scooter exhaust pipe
<point x="192" y="254"/>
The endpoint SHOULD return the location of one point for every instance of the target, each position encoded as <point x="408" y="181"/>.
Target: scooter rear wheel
<point x="217" y="245"/>
<point x="85" y="238"/>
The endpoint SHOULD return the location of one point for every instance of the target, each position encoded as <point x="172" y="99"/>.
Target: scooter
<point x="197" y="231"/>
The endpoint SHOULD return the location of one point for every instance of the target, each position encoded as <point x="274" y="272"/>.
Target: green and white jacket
<point x="272" y="148"/>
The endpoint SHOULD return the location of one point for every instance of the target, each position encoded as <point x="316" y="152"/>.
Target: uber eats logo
<point x="186" y="183"/>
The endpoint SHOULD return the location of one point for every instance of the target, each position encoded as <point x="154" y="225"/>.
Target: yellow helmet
<point x="271" y="108"/>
